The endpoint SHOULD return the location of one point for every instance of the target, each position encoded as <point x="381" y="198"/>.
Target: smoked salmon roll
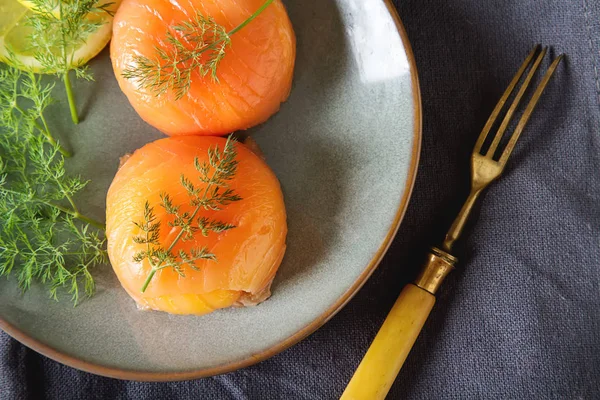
<point x="195" y="224"/>
<point x="164" y="51"/>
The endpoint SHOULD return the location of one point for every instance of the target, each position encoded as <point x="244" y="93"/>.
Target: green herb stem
<point x="79" y="216"/>
<point x="214" y="44"/>
<point x="180" y="234"/>
<point x="90" y="221"/>
<point x="73" y="213"/>
<point x="50" y="138"/>
<point x="46" y="132"/>
<point x="148" y="279"/>
<point x="251" y="18"/>
<point x="71" y="98"/>
<point x="170" y="248"/>
<point x="53" y="142"/>
<point x="69" y="198"/>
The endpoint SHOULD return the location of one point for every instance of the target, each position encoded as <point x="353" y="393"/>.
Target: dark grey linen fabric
<point x="520" y="318"/>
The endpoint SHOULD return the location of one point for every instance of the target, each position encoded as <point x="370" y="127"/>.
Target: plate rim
<point x="124" y="374"/>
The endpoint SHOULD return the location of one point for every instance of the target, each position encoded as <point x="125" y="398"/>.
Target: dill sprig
<point x="44" y="236"/>
<point x="213" y="194"/>
<point x="195" y="46"/>
<point x="58" y="29"/>
<point x="18" y="87"/>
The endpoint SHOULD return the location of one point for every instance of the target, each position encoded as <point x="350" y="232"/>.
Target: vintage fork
<point x="386" y="355"/>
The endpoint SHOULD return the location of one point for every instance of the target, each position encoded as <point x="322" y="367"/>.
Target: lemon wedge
<point x="14" y="35"/>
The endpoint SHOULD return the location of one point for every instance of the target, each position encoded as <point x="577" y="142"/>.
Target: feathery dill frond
<point x="213" y="194"/>
<point x="44" y="237"/>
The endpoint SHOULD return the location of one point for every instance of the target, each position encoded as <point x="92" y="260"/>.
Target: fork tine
<point x="515" y="104"/>
<point x="527" y="113"/>
<point x="490" y="122"/>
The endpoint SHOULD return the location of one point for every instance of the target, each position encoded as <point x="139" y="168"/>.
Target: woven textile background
<point x="520" y="318"/>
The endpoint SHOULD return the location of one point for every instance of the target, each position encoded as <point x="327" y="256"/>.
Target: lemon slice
<point x="14" y="35"/>
<point x="31" y="5"/>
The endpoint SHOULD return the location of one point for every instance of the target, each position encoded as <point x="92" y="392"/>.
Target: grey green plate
<point x="345" y="147"/>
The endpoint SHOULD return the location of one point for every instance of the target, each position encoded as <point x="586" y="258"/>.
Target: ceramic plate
<point x="345" y="147"/>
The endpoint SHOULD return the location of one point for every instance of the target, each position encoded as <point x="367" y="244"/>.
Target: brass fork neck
<point x="460" y="221"/>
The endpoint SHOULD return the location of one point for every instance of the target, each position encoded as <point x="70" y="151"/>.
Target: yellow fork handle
<point x="380" y="366"/>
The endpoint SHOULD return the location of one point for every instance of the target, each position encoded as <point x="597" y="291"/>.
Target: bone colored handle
<point x="380" y="366"/>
